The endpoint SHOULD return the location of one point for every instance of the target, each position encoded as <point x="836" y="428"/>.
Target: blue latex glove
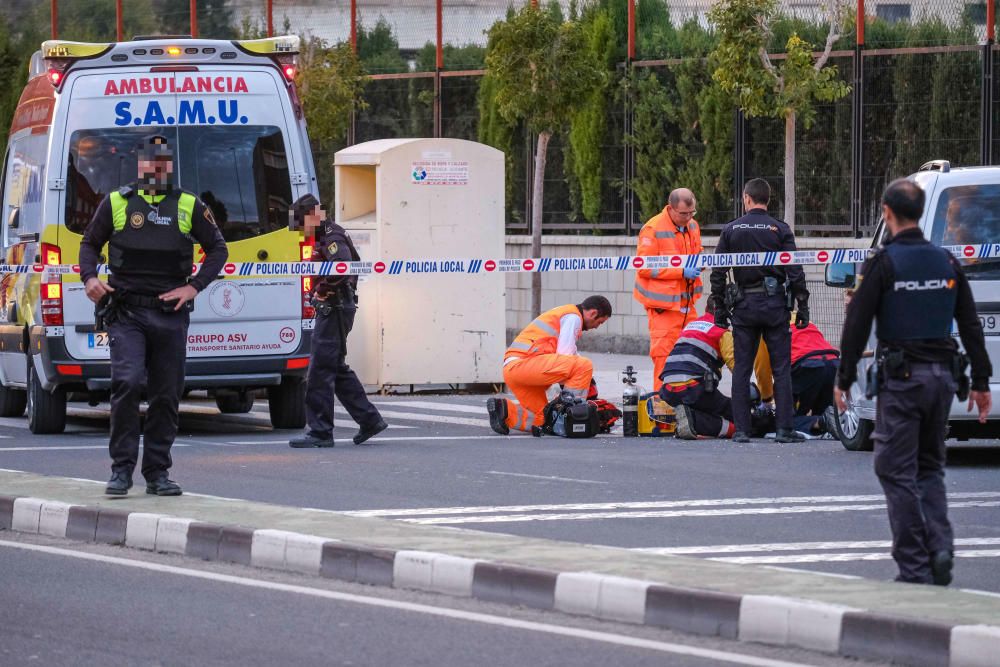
<point x="692" y="273"/>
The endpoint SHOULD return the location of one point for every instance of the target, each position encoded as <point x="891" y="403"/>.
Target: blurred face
<point x="155" y="171"/>
<point x="592" y="319"/>
<point x="313" y="220"/>
<point x="683" y="214"/>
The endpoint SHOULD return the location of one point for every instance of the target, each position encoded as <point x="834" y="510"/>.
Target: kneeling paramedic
<point x="691" y="377"/>
<point x="814" y="368"/>
<point x="542" y="355"/>
<point x="913" y="290"/>
<point x="150" y="228"/>
<point x="335" y="301"/>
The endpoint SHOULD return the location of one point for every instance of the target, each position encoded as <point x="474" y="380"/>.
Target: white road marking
<point x="842" y="557"/>
<point x="378" y="438"/>
<point x="799" y="546"/>
<point x="437" y="419"/>
<point x="545" y="477"/>
<point x="656" y="504"/>
<point x="443" y="612"/>
<point x="430" y="405"/>
<point x="672" y="514"/>
<point x="54" y="448"/>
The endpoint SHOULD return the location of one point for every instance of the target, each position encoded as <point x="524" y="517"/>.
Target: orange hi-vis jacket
<point x="666" y="289"/>
<point x="542" y="335"/>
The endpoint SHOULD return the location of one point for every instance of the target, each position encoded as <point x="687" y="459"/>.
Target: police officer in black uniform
<point x="150" y="228"/>
<point x="913" y="290"/>
<point x="334" y="298"/>
<point x="758" y="305"/>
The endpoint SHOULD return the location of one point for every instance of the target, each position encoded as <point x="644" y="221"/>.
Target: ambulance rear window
<point x="241" y="173"/>
<point x="969" y="215"/>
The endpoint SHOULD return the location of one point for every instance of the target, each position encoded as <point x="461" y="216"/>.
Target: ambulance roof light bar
<point x="270" y="46"/>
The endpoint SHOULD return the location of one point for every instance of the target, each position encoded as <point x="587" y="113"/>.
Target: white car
<point x="963" y="208"/>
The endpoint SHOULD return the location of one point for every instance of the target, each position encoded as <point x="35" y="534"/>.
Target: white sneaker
<point x="685" y="423"/>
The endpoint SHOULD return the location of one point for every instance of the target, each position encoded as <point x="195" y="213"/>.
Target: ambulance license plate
<point x="97" y="339"/>
<point x="991" y="323"/>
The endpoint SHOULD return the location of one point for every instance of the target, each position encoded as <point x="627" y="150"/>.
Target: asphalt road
<point x="809" y="506"/>
<point x="80" y="605"/>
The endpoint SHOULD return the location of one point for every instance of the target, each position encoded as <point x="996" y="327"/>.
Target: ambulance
<point x="231" y="112"/>
<point x="962" y="210"/>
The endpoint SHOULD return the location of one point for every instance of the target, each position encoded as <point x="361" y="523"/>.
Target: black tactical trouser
<point x="329" y="376"/>
<point x="148" y="349"/>
<point x="712" y="410"/>
<point x="756" y="316"/>
<point x="910" y="425"/>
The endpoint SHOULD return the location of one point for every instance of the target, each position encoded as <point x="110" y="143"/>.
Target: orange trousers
<point x="529" y="378"/>
<point x="664" y="330"/>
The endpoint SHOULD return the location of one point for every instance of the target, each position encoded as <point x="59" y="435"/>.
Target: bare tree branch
<point x="836" y="22"/>
<point x="765" y="58"/>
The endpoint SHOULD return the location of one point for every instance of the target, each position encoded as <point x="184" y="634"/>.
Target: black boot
<point x="310" y="440"/>
<point x="163" y="486"/>
<point x="942" y="563"/>
<point x="740" y="436"/>
<point x="497" y="407"/>
<point x="367" y="432"/>
<point x="119" y="484"/>
<point x="788" y="435"/>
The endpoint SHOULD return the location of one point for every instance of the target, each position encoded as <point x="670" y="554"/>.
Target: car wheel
<point x="287" y="403"/>
<point x="233" y="404"/>
<point x="12" y="402"/>
<point x="46" y="409"/>
<point x="853" y="431"/>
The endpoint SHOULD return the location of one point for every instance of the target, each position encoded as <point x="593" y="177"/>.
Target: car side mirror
<point x="841" y="274"/>
<point x="14" y="219"/>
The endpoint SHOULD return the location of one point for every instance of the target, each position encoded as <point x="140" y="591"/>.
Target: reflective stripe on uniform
<point x="118" y="206"/>
<point x="701" y="345"/>
<point x="683" y="377"/>
<point x="544" y="327"/>
<point x="657" y="296"/>
<point x="185" y="212"/>
<point x="664" y="235"/>
<point x="524" y="347"/>
<point x="690" y="358"/>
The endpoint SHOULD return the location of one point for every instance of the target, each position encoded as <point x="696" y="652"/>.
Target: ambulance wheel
<point x="46" y="409"/>
<point x="854" y="432"/>
<point x="287" y="403"/>
<point x="234" y="404"/>
<point x="12" y="402"/>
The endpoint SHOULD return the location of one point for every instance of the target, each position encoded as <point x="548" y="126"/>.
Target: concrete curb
<point x="775" y="620"/>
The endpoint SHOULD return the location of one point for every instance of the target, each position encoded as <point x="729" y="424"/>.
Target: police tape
<point x="536" y="265"/>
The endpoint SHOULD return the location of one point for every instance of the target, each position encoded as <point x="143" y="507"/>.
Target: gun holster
<point x="733" y="295"/>
<point x="896" y="365"/>
<point x="959" y="364"/>
<point x="323" y="307"/>
<point x="873" y="380"/>
<point x="772" y="287"/>
<point x="107" y="311"/>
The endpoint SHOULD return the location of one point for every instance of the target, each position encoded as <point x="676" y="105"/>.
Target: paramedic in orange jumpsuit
<point x="669" y="295"/>
<point x="542" y="355"/>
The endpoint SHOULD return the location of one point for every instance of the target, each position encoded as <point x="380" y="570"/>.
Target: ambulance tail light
<point x="308" y="312"/>
<point x="289" y="72"/>
<point x="59" y="55"/>
<point x="52" y="289"/>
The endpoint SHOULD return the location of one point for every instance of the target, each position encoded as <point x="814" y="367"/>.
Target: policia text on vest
<point x="913" y="290"/>
<point x="150" y="234"/>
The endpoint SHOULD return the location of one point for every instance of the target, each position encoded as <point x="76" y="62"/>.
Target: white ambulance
<point x="231" y="112"/>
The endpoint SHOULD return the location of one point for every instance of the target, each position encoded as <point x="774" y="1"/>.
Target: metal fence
<point x="920" y="71"/>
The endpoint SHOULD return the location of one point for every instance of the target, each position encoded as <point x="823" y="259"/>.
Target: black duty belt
<point x="140" y="300"/>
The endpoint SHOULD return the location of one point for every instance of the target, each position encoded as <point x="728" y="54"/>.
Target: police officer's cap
<point x="307" y="203"/>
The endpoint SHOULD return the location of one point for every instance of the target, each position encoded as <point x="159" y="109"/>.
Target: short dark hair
<point x="598" y="303"/>
<point x="904" y="198"/>
<point x="758" y="190"/>
<point x="303" y="205"/>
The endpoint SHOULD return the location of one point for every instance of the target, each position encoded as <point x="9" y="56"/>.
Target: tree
<point x="763" y="87"/>
<point x="331" y="84"/>
<point x="543" y="70"/>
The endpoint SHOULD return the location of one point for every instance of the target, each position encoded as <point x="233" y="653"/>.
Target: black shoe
<point x="685" y="423"/>
<point x="310" y="440"/>
<point x="941" y="564"/>
<point x="119" y="484"/>
<point x="497" y="407"/>
<point x="787" y="435"/>
<point x="831" y="421"/>
<point x="740" y="436"/>
<point x="162" y="486"/>
<point x="365" y="433"/>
